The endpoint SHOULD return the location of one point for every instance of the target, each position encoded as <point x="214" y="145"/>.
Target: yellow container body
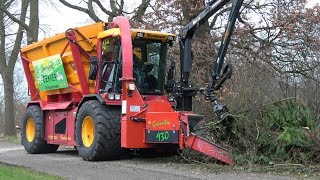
<point x="55" y="45"/>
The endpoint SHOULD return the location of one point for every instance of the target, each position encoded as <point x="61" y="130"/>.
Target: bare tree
<point x="1" y="110"/>
<point x="10" y="45"/>
<point x="116" y="8"/>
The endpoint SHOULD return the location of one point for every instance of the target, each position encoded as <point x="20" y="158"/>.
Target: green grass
<point x="14" y="172"/>
<point x="10" y="139"/>
<point x="9" y="172"/>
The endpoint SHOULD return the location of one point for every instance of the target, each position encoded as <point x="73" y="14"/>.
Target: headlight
<point x="117" y="96"/>
<point x="171" y="98"/>
<point x="111" y="96"/>
<point x="131" y="87"/>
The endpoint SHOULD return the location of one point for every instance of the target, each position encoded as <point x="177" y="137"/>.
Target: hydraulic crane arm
<point x="216" y="69"/>
<point x="187" y="33"/>
<point x="211" y="8"/>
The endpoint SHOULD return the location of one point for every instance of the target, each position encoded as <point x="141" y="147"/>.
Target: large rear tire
<point x="32" y="127"/>
<point x="98" y="132"/>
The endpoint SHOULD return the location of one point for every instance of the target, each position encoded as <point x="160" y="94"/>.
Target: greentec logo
<point x="50" y="73"/>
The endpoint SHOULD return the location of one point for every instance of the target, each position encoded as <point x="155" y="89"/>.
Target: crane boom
<point x="184" y="91"/>
<point x="187" y="32"/>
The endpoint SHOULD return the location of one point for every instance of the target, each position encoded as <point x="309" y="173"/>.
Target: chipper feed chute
<point x="198" y="143"/>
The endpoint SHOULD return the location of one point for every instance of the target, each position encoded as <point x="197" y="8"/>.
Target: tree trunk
<point x="32" y="34"/>
<point x="9" y="126"/>
<point x="8" y="60"/>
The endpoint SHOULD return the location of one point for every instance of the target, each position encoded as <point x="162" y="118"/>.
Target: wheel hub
<point x="87" y="131"/>
<point x="30" y="129"/>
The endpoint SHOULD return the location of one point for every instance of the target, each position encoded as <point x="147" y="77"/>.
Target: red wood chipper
<point x="102" y="89"/>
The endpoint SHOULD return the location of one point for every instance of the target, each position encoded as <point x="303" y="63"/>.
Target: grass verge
<point x="10" y="172"/>
<point x="10" y="139"/>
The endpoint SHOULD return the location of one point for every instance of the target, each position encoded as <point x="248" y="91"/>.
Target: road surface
<point x="67" y="163"/>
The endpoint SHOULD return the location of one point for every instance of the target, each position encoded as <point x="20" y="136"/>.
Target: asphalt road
<point x="67" y="163"/>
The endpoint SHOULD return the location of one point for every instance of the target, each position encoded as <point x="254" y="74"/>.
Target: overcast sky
<point x="60" y="18"/>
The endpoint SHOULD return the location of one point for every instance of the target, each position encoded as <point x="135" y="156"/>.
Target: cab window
<point x="109" y="64"/>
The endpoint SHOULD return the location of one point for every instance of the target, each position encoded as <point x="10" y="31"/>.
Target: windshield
<point x="149" y="65"/>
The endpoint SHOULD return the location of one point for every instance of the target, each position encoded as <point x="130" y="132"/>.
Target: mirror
<point x="93" y="67"/>
<point x="170" y="76"/>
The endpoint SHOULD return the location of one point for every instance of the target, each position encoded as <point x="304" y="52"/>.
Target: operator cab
<point x="149" y="65"/>
<point x="149" y="61"/>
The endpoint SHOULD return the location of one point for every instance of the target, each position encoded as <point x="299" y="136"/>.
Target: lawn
<point x="10" y="139"/>
<point x="8" y="172"/>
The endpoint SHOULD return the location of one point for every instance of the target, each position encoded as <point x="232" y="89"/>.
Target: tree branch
<point x="113" y="6"/>
<point x="213" y="22"/>
<point x="5" y="10"/>
<point x="8" y="3"/>
<point x="91" y="12"/>
<point x="103" y="9"/>
<point x="17" y="43"/>
<point x="121" y="5"/>
<point x="141" y="10"/>
<point x="74" y="6"/>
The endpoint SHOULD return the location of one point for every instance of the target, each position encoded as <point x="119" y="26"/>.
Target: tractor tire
<point x="32" y="126"/>
<point x="98" y="129"/>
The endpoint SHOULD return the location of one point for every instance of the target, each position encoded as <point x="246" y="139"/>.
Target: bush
<point x="279" y="132"/>
<point x="285" y="137"/>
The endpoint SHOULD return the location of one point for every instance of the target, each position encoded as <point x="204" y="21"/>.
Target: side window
<point x="110" y="48"/>
<point x="110" y="57"/>
<point x="154" y="57"/>
<point x="138" y="61"/>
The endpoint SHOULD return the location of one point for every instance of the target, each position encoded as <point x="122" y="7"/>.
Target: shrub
<point x="277" y="133"/>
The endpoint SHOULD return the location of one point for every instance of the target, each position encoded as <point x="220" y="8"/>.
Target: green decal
<point x="50" y="73"/>
<point x="162" y="136"/>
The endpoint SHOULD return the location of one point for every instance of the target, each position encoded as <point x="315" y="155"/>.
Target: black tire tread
<point x="38" y="145"/>
<point x="107" y="142"/>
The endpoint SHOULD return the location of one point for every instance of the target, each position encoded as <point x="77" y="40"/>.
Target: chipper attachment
<point x="199" y="144"/>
